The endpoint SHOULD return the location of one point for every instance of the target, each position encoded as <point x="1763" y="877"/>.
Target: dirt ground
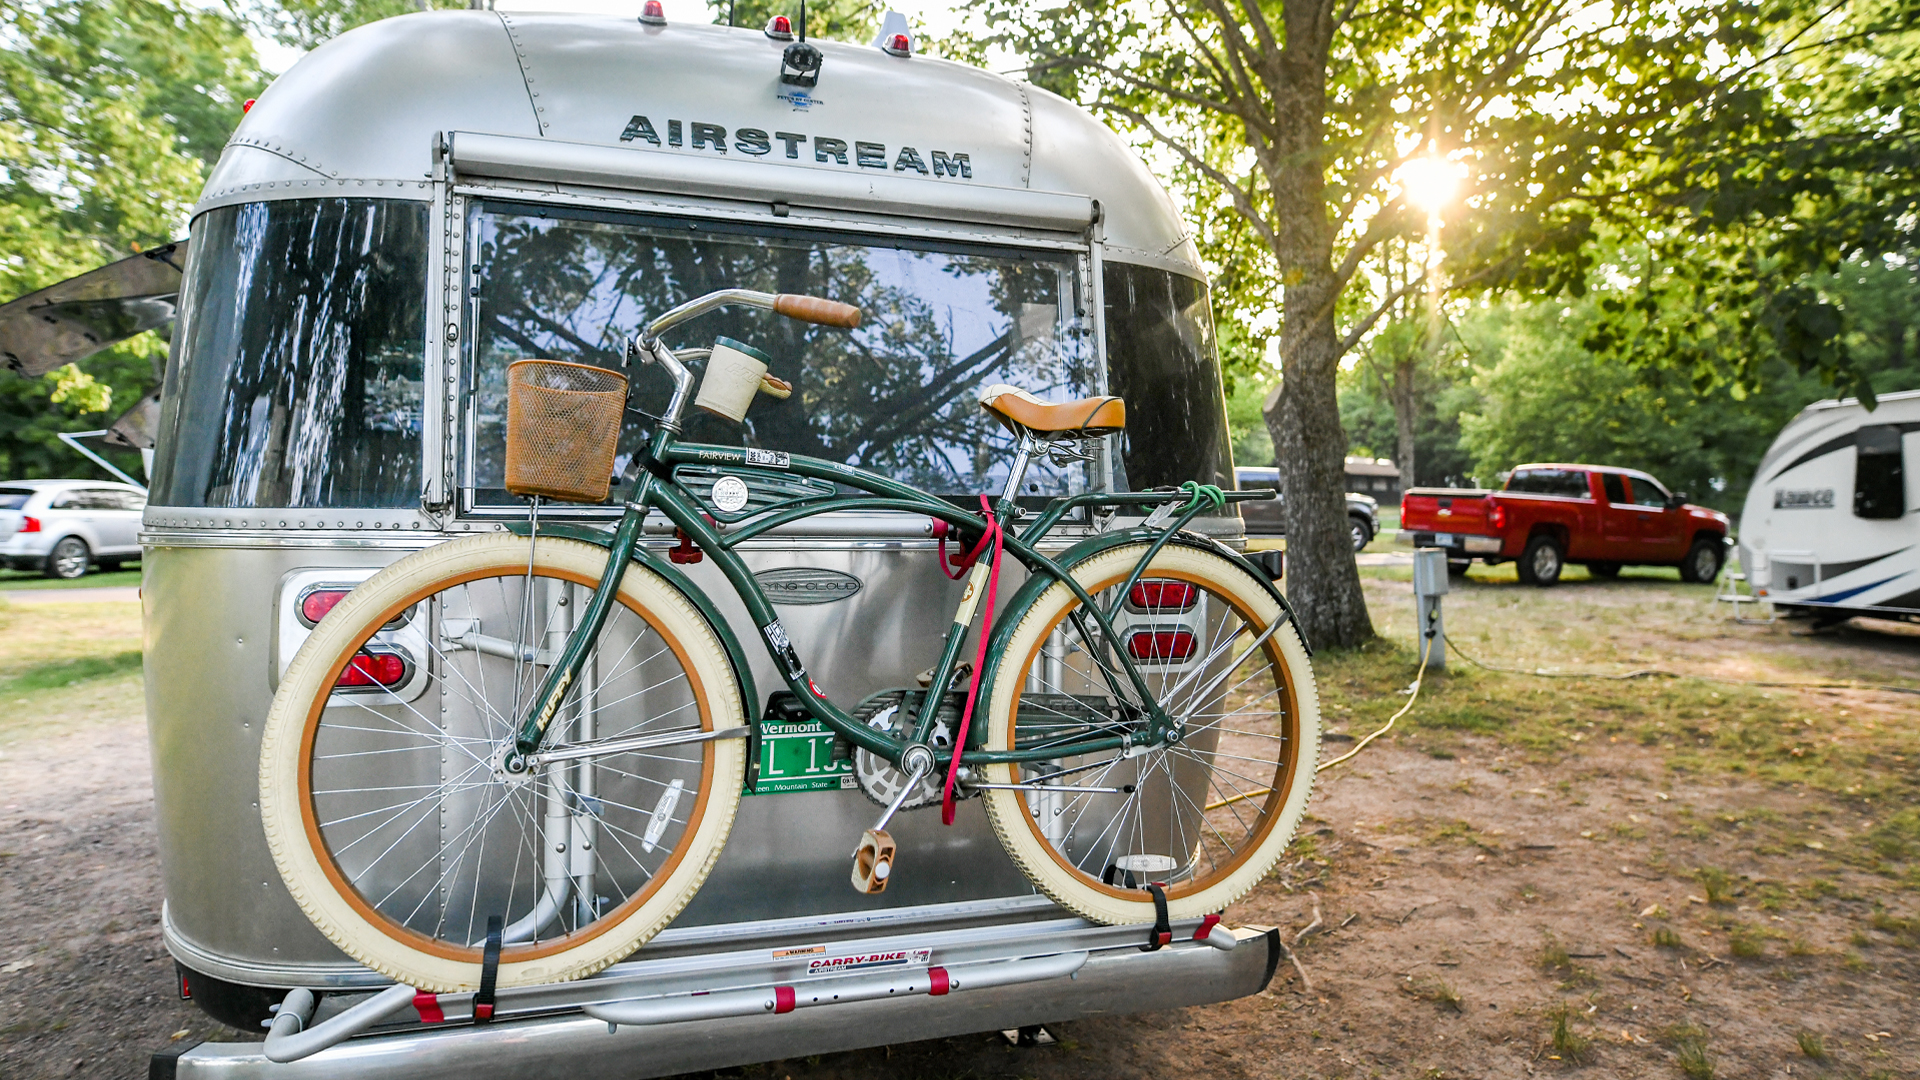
<point x="1530" y="877"/>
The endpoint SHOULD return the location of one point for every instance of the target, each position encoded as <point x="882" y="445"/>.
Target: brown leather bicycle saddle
<point x="1083" y="419"/>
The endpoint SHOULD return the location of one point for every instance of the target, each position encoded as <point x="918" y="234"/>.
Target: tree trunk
<point x="1403" y="403"/>
<point x="1323" y="582"/>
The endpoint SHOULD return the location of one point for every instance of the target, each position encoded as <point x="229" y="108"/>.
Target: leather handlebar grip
<point x="813" y="309"/>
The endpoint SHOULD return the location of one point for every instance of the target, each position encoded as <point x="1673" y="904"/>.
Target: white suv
<point x="60" y="527"/>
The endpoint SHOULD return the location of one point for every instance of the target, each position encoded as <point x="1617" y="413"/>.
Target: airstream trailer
<point x="1831" y="526"/>
<point x="421" y="202"/>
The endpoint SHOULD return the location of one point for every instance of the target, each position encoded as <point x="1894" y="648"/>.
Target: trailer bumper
<point x="1116" y="978"/>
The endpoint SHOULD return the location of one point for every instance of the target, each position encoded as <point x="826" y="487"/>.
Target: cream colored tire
<point x="1222" y="743"/>
<point x="287" y="762"/>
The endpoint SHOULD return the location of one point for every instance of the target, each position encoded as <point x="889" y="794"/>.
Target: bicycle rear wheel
<point x="388" y="810"/>
<point x="1205" y="817"/>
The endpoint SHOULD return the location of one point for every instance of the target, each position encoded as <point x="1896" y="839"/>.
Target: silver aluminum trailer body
<point x="1832" y="522"/>
<point x="424" y="199"/>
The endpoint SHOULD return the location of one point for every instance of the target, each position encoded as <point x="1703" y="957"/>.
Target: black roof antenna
<point x="800" y="64"/>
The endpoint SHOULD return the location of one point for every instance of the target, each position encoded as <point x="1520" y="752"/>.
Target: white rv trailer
<point x="1832" y="523"/>
<point x="426" y="199"/>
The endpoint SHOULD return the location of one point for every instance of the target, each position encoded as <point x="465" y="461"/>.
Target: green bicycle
<point x="524" y="750"/>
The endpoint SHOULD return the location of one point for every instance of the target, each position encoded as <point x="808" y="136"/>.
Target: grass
<point x="1689" y="1044"/>
<point x="1435" y="989"/>
<point x="1719" y="886"/>
<point x="1745" y="944"/>
<point x="1699" y="729"/>
<point x="1568" y="1044"/>
<point x="1554" y="959"/>
<point x="63" y="664"/>
<point x="1812" y="1045"/>
<point x="1666" y="937"/>
<point x="93" y="579"/>
<point x="64" y="673"/>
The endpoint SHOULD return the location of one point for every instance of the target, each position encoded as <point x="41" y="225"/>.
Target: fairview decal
<point x="754" y="142"/>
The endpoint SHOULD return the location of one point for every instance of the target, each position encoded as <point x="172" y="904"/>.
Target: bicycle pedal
<point x="873" y="862"/>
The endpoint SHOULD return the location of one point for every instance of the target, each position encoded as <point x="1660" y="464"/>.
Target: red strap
<point x="483" y="1012"/>
<point x="783" y="999"/>
<point x="979" y="661"/>
<point x="961" y="563"/>
<point x="428" y="1006"/>
<point x="1206" y="927"/>
<point x="938" y="983"/>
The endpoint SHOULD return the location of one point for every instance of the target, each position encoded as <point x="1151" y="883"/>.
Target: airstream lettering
<point x="426" y="202"/>
<point x="754" y="142"/>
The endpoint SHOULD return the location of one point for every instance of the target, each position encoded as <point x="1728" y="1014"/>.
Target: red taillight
<point x="780" y="28"/>
<point x="247" y="105"/>
<point x="899" y="45"/>
<point x="1166" y="645"/>
<point x="29" y="524"/>
<point x="1163" y="595"/>
<point x="1498" y="516"/>
<point x="374" y="669"/>
<point x="653" y="14"/>
<point x="315" y="605"/>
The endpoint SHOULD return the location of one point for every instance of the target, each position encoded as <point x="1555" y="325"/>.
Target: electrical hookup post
<point x="1429" y="585"/>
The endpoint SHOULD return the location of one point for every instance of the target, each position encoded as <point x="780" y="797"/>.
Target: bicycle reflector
<point x="384" y="669"/>
<point x="1169" y="646"/>
<point x="1163" y="595"/>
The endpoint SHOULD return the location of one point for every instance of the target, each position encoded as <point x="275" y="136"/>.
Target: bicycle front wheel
<point x="1204" y="817"/>
<point x="389" y="811"/>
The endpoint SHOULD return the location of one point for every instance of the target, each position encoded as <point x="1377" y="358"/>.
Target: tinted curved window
<point x="296" y="371"/>
<point x="1879" y="472"/>
<point x="898" y="396"/>
<point x="1161" y="359"/>
<point x="1568" y="483"/>
<point x="1646" y="492"/>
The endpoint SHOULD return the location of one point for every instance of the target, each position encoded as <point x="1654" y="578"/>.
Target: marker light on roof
<point x="247" y="105"/>
<point x="896" y="36"/>
<point x="780" y="28"/>
<point x="653" y="14"/>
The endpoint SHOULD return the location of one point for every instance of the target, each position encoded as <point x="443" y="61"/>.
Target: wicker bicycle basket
<point x="563" y="427"/>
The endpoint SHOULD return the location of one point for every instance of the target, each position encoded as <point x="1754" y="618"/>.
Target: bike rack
<point x="756" y="984"/>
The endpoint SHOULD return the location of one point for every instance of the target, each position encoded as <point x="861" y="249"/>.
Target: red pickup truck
<point x="1549" y="515"/>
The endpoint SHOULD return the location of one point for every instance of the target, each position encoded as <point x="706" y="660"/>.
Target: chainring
<point x="879" y="779"/>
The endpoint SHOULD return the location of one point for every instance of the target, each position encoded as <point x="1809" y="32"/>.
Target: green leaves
<point x="110" y="113"/>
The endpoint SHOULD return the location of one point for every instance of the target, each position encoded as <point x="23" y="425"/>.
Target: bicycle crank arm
<point x="604" y="747"/>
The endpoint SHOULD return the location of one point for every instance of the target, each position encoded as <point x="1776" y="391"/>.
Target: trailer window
<point x="898" y="396"/>
<point x="1879" y="473"/>
<point x="296" y="371"/>
<point x="1161" y="359"/>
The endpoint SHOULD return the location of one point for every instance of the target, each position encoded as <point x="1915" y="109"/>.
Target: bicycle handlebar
<point x="650" y="349"/>
<point x="813" y="309"/>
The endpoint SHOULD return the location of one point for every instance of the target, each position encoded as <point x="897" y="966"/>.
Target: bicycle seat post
<point x="1022" y="458"/>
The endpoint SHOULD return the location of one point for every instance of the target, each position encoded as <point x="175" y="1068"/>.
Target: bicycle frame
<point x="658" y="489"/>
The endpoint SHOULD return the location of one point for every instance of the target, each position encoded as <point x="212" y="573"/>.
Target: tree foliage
<point x="1802" y="158"/>
<point x="1289" y="122"/>
<point x="1542" y="396"/>
<point x="110" y="113"/>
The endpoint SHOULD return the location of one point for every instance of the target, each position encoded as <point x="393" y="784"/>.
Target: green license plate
<point x="799" y="757"/>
